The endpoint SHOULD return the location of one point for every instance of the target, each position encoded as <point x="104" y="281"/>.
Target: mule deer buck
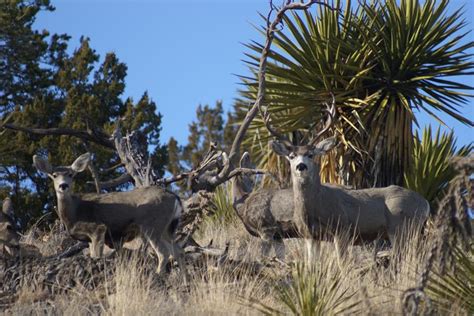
<point x="267" y="213"/>
<point x="154" y="210"/>
<point x="320" y="208"/>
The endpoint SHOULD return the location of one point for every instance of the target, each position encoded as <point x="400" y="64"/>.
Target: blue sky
<point x="184" y="53"/>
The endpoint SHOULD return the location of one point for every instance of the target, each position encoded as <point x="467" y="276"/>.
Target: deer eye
<point x="70" y="174"/>
<point x="291" y="155"/>
<point x="54" y="175"/>
<point x="310" y="155"/>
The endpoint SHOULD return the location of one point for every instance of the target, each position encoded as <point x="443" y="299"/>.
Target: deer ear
<point x="245" y="161"/>
<point x="325" y="145"/>
<point x="280" y="149"/>
<point x="80" y="164"/>
<point x="7" y="207"/>
<point x="42" y="164"/>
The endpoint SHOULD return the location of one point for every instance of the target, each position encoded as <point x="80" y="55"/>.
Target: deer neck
<point x="241" y="188"/>
<point x="66" y="208"/>
<point x="305" y="193"/>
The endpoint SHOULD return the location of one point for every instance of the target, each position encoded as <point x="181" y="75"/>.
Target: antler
<point x="266" y="119"/>
<point x="272" y="27"/>
<point x="331" y="110"/>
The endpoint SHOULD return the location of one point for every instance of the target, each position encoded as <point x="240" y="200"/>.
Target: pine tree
<point x="45" y="87"/>
<point x="208" y="127"/>
<point x="174" y="152"/>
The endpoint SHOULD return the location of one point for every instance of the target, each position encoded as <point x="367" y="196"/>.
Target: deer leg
<point x="279" y="247"/>
<point x="181" y="262"/>
<point x="392" y="236"/>
<point x="161" y="251"/>
<point x="96" y="245"/>
<point x="265" y="246"/>
<point x="178" y="255"/>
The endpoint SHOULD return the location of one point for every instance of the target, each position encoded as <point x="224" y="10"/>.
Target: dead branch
<point x="95" y="136"/>
<point x="230" y="160"/>
<point x="260" y="100"/>
<point x="120" y="164"/>
<point x="122" y="179"/>
<point x="132" y="152"/>
<point x="217" y="167"/>
<point x="197" y="207"/>
<point x="95" y="176"/>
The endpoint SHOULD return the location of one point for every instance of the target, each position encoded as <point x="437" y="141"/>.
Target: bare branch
<point x="120" y="164"/>
<point x="5" y="121"/>
<point x="122" y="179"/>
<point x="92" y="168"/>
<point x="94" y="136"/>
<point x="238" y="171"/>
<point x="132" y="152"/>
<point x="271" y="28"/>
<point x="205" y="176"/>
<point x="95" y="176"/>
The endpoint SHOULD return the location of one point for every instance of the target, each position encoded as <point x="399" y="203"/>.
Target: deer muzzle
<point x="301" y="167"/>
<point x="63" y="186"/>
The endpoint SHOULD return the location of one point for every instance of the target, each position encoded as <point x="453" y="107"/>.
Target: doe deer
<point x="265" y="213"/>
<point x="9" y="239"/>
<point x="319" y="208"/>
<point x="10" y="244"/>
<point x="154" y="210"/>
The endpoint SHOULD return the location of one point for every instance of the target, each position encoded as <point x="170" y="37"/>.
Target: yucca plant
<point x="313" y="288"/>
<point x="381" y="61"/>
<point x="222" y="209"/>
<point x="455" y="287"/>
<point x="432" y="169"/>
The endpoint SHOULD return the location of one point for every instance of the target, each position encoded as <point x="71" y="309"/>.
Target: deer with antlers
<point x="319" y="208"/>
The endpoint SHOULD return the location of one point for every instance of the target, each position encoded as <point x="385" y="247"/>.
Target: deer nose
<point x="301" y="167"/>
<point x="63" y="186"/>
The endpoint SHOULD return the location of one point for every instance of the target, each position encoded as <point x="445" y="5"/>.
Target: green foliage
<point x="174" y="165"/>
<point x="223" y="211"/>
<point x="432" y="170"/>
<point x="46" y="87"/>
<point x="381" y="61"/>
<point x="455" y="286"/>
<point x="313" y="288"/>
<point x="208" y="127"/>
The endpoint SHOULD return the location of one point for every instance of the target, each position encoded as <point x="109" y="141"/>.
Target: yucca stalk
<point x="380" y="60"/>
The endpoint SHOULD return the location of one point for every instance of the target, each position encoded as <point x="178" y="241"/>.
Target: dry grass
<point x="374" y="288"/>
